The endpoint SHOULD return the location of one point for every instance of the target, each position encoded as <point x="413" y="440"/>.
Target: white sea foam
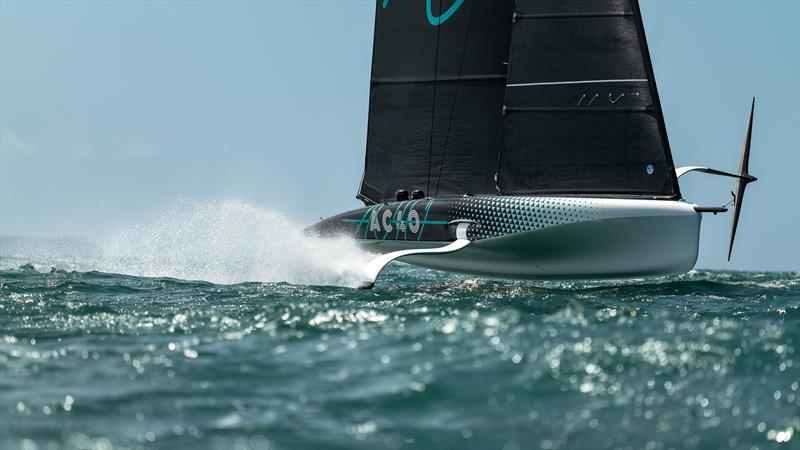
<point x="220" y="242"/>
<point x="231" y="242"/>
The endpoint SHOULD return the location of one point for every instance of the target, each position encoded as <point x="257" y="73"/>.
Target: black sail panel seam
<point x="573" y="15"/>
<point x="581" y="109"/>
<point x="444" y="79"/>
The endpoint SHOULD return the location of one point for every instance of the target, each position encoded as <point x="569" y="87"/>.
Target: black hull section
<point x="412" y="220"/>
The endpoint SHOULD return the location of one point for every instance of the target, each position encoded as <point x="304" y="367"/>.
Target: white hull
<point x="624" y="238"/>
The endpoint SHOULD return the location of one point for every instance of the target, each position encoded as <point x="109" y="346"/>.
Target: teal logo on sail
<point x="434" y="20"/>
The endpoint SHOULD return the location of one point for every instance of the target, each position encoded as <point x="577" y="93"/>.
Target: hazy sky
<point x="110" y="111"/>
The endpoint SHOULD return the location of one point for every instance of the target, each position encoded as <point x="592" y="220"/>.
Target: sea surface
<point x="95" y="359"/>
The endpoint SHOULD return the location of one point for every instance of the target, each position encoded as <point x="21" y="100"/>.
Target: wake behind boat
<point x="531" y="137"/>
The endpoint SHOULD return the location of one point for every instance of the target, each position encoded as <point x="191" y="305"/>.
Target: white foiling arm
<point x="376" y="265"/>
<point x="680" y="171"/>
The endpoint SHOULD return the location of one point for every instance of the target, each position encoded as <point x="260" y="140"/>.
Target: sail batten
<point x="554" y="83"/>
<point x="438" y="79"/>
<point x="573" y="15"/>
<point x="581" y="110"/>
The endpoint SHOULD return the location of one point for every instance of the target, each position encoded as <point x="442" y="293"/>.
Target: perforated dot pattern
<point x="497" y="215"/>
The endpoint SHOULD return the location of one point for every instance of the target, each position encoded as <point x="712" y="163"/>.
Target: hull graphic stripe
<point x="360" y="222"/>
<point x="425" y="219"/>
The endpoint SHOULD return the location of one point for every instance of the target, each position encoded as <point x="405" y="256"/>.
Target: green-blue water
<point x="425" y="360"/>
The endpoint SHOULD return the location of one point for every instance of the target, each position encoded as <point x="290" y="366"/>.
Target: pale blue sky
<point x="110" y="111"/>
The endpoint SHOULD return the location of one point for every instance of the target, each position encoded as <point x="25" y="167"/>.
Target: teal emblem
<point x="434" y="20"/>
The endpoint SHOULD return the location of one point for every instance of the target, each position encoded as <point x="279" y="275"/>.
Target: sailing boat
<point x="530" y="137"/>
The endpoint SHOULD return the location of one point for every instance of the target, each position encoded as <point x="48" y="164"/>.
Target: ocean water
<point x="194" y="333"/>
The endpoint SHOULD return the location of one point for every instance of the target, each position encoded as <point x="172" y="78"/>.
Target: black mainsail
<point x="436" y="96"/>
<point x="517" y="97"/>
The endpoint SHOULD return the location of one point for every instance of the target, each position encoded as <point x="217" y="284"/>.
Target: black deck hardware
<point x="711" y="209"/>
